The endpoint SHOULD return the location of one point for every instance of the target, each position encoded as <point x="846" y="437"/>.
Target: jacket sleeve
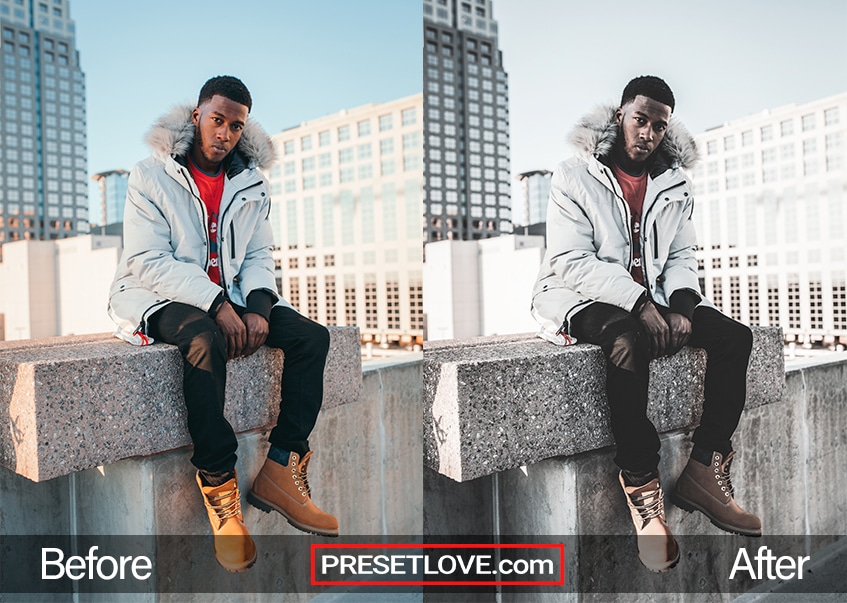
<point x="681" y="266"/>
<point x="257" y="270"/>
<point x="150" y="254"/>
<point x="573" y="255"/>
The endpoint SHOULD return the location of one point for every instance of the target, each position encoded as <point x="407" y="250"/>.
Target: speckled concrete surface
<point x="497" y="403"/>
<point x="72" y="403"/>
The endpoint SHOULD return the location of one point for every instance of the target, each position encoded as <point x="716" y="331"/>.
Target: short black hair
<point x="651" y="87"/>
<point x="227" y="86"/>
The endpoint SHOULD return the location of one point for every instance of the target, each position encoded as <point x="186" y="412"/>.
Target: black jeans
<point x="304" y="343"/>
<point x="727" y="343"/>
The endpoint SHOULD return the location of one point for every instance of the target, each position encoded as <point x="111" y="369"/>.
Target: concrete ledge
<point x="72" y="403"/>
<point x="498" y="403"/>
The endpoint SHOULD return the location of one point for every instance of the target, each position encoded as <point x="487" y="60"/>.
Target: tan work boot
<point x="285" y="489"/>
<point x="657" y="548"/>
<point x="234" y="549"/>
<point x="708" y="489"/>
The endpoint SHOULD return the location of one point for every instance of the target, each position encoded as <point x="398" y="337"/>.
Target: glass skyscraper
<point x="113" y="188"/>
<point x="43" y="155"/>
<point x="467" y="190"/>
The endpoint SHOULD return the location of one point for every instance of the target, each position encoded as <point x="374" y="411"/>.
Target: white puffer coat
<point x="166" y="243"/>
<point x="589" y="246"/>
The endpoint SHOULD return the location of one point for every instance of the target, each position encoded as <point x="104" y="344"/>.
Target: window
<point x="808" y="122"/>
<point x="305" y="143"/>
<point x="324" y="138"/>
<point x="830" y="116"/>
<point x="728" y="143"/>
<point x="343" y="133"/>
<point x="767" y="133"/>
<point x="711" y="147"/>
<point x="288" y="147"/>
<point x="364" y="127"/>
<point x="386" y="147"/>
<point x="385" y="122"/>
<point x="747" y="138"/>
<point x="786" y="128"/>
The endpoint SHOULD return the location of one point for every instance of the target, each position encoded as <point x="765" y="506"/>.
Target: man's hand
<point x="656" y="328"/>
<point x="680" y="328"/>
<point x="257" y="332"/>
<point x="233" y="329"/>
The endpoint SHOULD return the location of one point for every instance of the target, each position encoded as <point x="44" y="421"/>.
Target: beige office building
<point x="347" y="219"/>
<point x="771" y="218"/>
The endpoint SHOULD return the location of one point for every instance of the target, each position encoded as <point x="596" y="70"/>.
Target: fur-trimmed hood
<point x="173" y="133"/>
<point x="595" y="135"/>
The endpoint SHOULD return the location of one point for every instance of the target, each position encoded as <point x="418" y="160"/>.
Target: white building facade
<point x="771" y="218"/>
<point x="61" y="287"/>
<point x="346" y="214"/>
<point x="478" y="288"/>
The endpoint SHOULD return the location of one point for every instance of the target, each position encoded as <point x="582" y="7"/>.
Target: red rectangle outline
<point x="314" y="547"/>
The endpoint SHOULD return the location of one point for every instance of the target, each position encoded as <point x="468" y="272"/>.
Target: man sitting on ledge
<point x="620" y="272"/>
<point x="197" y="271"/>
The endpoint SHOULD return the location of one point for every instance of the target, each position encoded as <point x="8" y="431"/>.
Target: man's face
<point x="643" y="123"/>
<point x="218" y="123"/>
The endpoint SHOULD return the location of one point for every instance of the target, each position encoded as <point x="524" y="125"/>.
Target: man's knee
<point x="625" y="352"/>
<point x="202" y="338"/>
<point x="317" y="339"/>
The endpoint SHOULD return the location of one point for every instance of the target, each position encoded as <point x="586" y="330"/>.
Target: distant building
<point x="346" y="215"/>
<point x="467" y="190"/>
<point x="771" y="219"/>
<point x="480" y="287"/>
<point x="43" y="188"/>
<point x="535" y="186"/>
<point x="113" y="186"/>
<point x="52" y="288"/>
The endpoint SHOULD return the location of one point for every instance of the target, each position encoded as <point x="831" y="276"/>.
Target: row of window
<point x="492" y="228"/>
<point x="447" y="37"/>
<point x="811" y="167"/>
<point x="787" y="127"/>
<point x="363" y="128"/>
<point x="354" y="311"/>
<point x="793" y="312"/>
<point x="365" y="171"/>
<point x="363" y="152"/>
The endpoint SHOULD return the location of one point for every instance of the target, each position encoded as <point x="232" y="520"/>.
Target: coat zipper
<point x="142" y="326"/>
<point x="565" y="329"/>
<point x="656" y="240"/>
<point x="221" y="264"/>
<point x="220" y="221"/>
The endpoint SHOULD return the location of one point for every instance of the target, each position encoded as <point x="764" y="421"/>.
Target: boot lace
<point x="223" y="508"/>
<point x="649" y="504"/>
<point x="724" y="478"/>
<point x="301" y="475"/>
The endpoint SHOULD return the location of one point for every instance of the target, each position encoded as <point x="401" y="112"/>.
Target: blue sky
<point x="724" y="59"/>
<point x="301" y="60"/>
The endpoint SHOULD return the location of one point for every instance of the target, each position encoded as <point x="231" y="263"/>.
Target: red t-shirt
<point x="211" y="190"/>
<point x="634" y="188"/>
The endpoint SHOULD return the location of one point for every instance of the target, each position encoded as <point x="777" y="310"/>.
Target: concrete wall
<point x="366" y="470"/>
<point x="790" y="471"/>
